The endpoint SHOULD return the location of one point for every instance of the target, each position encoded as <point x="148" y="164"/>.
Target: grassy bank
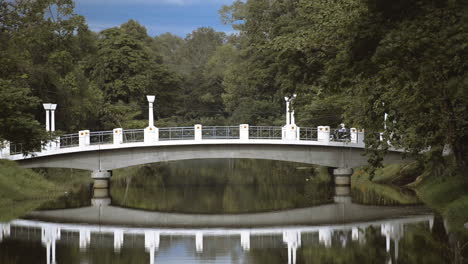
<point x="23" y="190"/>
<point x="441" y="189"/>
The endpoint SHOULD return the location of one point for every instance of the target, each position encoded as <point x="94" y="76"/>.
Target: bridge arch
<point x="115" y="158"/>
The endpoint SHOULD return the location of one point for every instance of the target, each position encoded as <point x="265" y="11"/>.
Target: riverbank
<point x="23" y="190"/>
<point x="441" y="189"/>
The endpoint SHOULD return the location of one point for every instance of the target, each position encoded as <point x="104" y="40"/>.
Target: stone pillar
<point x="118" y="136"/>
<point x="360" y="136"/>
<point x="293" y="241"/>
<point x="323" y="134"/>
<point x="47" y="108"/>
<point x="151" y="135"/>
<point x="354" y="135"/>
<point x="244" y="131"/>
<point x="49" y="235"/>
<point x="151" y="243"/>
<point x="198" y="132"/>
<point x="5" y="150"/>
<point x="85" y="239"/>
<point x="83" y="138"/>
<point x="325" y="236"/>
<point x="101" y="196"/>
<point x="52" y="123"/>
<point x="342" y="185"/>
<point x="289" y="132"/>
<point x="118" y="240"/>
<point x="199" y="241"/>
<point x="245" y="240"/>
<point x="4" y="231"/>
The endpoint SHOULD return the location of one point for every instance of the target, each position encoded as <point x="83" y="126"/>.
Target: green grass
<point x="360" y="181"/>
<point x="443" y="191"/>
<point x="23" y="190"/>
<point x="448" y="195"/>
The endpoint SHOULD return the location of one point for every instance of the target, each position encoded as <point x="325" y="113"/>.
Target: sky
<point x="178" y="17"/>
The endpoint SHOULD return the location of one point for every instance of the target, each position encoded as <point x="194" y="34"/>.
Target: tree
<point x="17" y="124"/>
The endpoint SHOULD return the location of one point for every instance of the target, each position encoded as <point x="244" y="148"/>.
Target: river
<point x="226" y="211"/>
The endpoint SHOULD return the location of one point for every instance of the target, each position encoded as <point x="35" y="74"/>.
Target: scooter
<point x="340" y="135"/>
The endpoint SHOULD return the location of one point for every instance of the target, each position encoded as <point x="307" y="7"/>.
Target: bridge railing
<point x="133" y="135"/>
<point x="220" y="132"/>
<point x="176" y="133"/>
<point x="101" y="137"/>
<point x="69" y="140"/>
<point x="308" y="133"/>
<point x="84" y="138"/>
<point x="265" y="132"/>
<point x="16" y="148"/>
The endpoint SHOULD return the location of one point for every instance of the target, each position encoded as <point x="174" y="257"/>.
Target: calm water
<point x="227" y="211"/>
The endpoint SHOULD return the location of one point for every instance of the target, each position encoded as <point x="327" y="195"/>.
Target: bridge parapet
<point x="244" y="133"/>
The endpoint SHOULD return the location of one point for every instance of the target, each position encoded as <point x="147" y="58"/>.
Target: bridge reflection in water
<point x="291" y="237"/>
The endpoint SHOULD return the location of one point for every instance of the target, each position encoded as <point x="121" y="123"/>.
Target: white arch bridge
<point x="118" y="148"/>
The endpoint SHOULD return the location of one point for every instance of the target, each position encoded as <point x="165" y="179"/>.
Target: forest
<point x="348" y="61"/>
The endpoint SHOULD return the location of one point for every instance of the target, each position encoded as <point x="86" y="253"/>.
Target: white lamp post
<point x="52" y="123"/>
<point x="151" y="117"/>
<point x="287" y="99"/>
<point x="47" y="108"/>
<point x="50" y="126"/>
<point x="289" y="116"/>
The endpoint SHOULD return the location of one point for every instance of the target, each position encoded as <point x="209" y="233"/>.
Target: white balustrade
<point x="84" y="138"/>
<point x="118" y="136"/>
<point x="290" y="132"/>
<point x="244" y="131"/>
<point x="323" y="134"/>
<point x="198" y="132"/>
<point x="153" y="135"/>
<point x="5" y="149"/>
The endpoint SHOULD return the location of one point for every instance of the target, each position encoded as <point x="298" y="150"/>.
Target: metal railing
<point x="101" y="138"/>
<point x="220" y="132"/>
<point x="265" y="132"/>
<point x="133" y="135"/>
<point x="188" y="133"/>
<point x="176" y="133"/>
<point x="69" y="140"/>
<point x="16" y="148"/>
<point x="308" y="133"/>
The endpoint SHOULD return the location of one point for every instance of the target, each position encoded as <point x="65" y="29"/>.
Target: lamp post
<point x="289" y="118"/>
<point x="47" y="108"/>
<point x="151" y="117"/>
<point x="52" y="111"/>
<point x="50" y="126"/>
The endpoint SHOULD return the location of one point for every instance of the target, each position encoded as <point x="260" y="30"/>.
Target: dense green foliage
<point x="349" y="61"/>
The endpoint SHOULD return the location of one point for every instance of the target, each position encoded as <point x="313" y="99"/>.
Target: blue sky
<point x="179" y="17"/>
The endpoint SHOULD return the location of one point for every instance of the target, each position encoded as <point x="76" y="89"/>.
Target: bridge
<point x="104" y="151"/>
<point x="118" y="148"/>
<point x="290" y="228"/>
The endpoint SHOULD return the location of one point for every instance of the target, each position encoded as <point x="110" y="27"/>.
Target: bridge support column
<point x="101" y="196"/>
<point x="342" y="185"/>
